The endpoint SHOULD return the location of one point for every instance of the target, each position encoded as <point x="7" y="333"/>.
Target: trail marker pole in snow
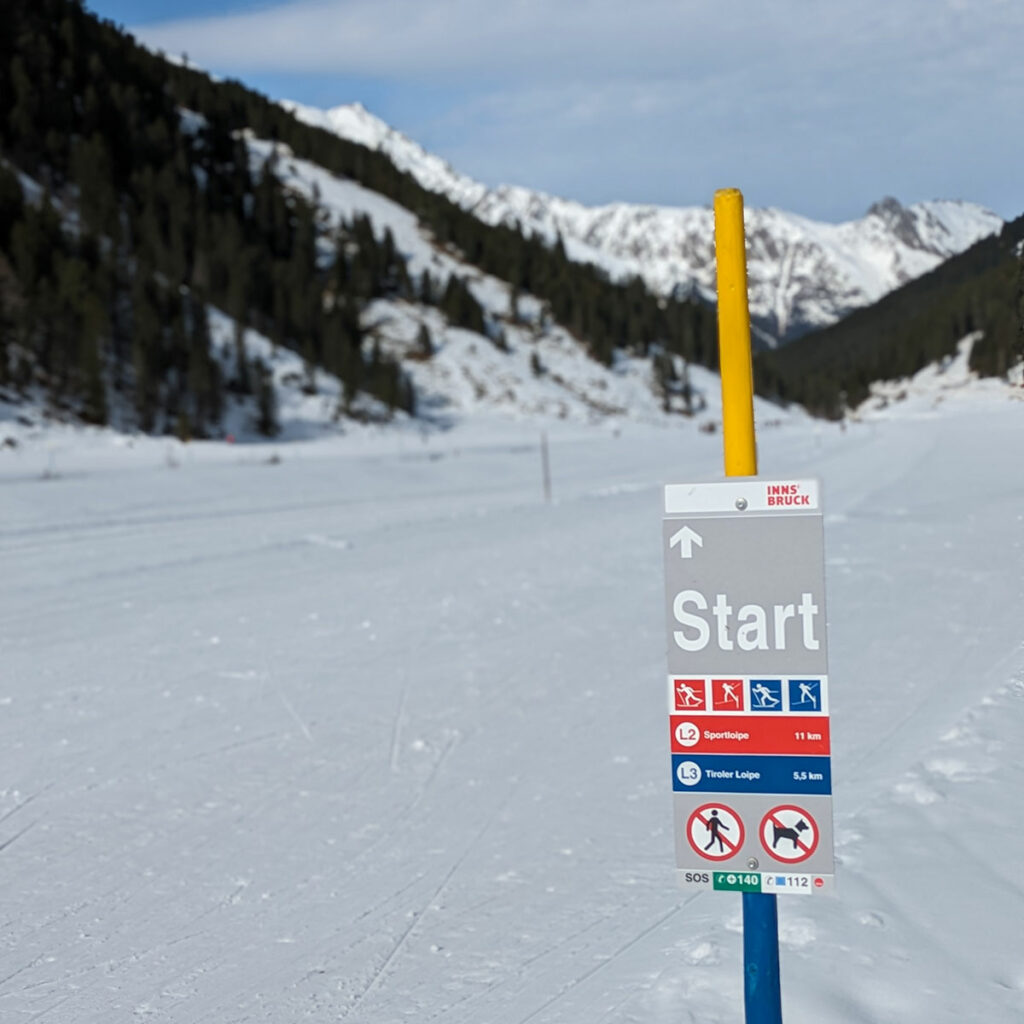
<point x="545" y="465"/>
<point x="762" y="995"/>
<point x="734" y="336"/>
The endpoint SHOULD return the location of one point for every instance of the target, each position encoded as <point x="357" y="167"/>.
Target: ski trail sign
<point x="748" y="684"/>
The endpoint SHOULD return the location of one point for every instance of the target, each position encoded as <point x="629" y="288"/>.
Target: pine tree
<point x="12" y="204"/>
<point x="1017" y="354"/>
<point x="94" y="328"/>
<point x="266" y="401"/>
<point x="6" y="332"/>
<point x="427" y="291"/>
<point x="513" y="303"/>
<point x="424" y="344"/>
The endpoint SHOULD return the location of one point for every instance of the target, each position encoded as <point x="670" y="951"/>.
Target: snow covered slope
<point x="538" y="370"/>
<point x="949" y="382"/>
<point x="372" y="734"/>
<point x="803" y="273"/>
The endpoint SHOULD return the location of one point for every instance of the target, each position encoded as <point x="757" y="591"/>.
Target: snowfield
<point x="468" y="372"/>
<point x="359" y="728"/>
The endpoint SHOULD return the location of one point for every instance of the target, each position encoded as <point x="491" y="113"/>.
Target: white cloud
<point x="578" y="95"/>
<point x="408" y="38"/>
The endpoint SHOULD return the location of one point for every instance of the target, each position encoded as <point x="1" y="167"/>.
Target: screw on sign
<point x="789" y="834"/>
<point x="715" y="832"/>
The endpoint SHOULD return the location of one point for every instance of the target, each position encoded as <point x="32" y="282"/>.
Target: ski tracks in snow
<point x="379" y="976"/>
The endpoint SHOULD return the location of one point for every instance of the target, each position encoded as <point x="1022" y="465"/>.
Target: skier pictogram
<point x="765" y="694"/>
<point x="727" y="695"/>
<point x="715" y="831"/>
<point x="689" y="694"/>
<point x="789" y="834"/>
<point x="805" y="695"/>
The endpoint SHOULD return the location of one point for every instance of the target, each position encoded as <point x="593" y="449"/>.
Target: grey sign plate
<point x="745" y="600"/>
<point x="762" y="565"/>
<point x="756" y="853"/>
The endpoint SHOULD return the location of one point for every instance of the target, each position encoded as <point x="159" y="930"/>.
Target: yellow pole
<point x="734" y="336"/>
<point x="762" y="997"/>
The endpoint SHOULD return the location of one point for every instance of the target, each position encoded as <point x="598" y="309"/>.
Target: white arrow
<point x="686" y="538"/>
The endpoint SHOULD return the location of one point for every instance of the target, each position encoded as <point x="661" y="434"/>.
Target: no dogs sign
<point x="789" y="834"/>
<point x="748" y="684"/>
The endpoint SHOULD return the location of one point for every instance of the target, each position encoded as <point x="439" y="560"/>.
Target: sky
<point x="815" y="107"/>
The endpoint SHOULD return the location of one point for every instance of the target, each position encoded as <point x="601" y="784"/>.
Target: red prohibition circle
<point x="733" y="848"/>
<point x="808" y="849"/>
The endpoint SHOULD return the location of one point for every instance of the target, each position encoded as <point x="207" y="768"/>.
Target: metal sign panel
<point x="750" y="599"/>
<point x="748" y="685"/>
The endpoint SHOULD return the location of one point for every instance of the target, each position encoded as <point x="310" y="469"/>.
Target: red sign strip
<point x="750" y="734"/>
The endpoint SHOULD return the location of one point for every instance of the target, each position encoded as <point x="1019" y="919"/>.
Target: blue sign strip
<point x="721" y="773"/>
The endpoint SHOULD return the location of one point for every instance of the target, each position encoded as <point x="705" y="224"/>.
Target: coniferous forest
<point x="981" y="289"/>
<point x="122" y="218"/>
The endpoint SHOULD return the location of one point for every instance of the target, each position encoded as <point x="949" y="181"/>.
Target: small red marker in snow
<point x="230" y="438"/>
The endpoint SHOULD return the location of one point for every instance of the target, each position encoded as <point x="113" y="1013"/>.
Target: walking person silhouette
<point x="715" y="826"/>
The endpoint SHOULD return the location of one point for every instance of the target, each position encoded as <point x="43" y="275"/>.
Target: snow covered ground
<point x="369" y="732"/>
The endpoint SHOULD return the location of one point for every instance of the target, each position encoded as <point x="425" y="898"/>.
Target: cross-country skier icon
<point x="715" y="826"/>
<point x="687" y="696"/>
<point x="765" y="697"/>
<point x="807" y="696"/>
<point x="727" y="694"/>
<point x="805" y="693"/>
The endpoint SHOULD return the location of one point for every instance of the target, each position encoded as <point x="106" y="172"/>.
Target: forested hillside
<point x="128" y="203"/>
<point x="132" y="202"/>
<point x="982" y="289"/>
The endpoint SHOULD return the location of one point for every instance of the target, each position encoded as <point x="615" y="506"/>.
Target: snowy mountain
<point x="803" y="274"/>
<point x="279" y="275"/>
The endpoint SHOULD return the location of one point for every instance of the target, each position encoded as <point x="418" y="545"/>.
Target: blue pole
<point x="762" y="996"/>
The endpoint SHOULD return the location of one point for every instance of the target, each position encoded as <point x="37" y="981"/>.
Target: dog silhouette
<point x="788" y="833"/>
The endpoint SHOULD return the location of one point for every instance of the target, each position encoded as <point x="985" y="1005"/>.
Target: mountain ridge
<point x="803" y="274"/>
